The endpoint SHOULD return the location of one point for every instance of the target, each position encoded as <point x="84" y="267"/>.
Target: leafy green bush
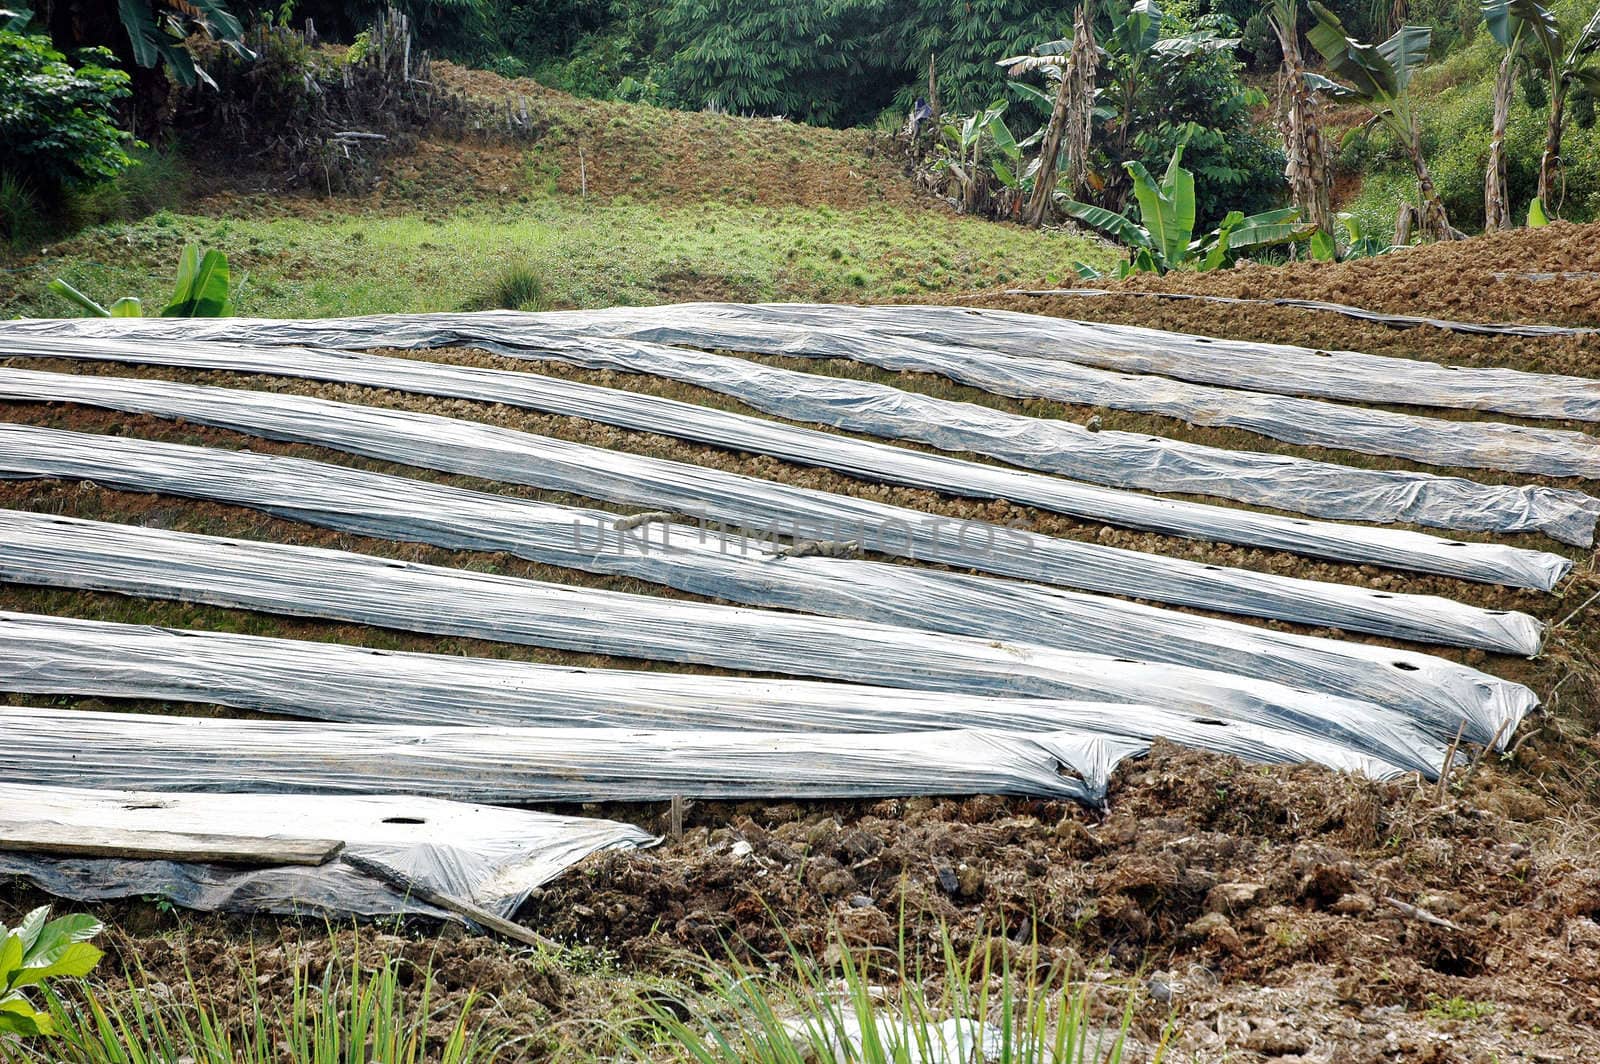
<point x="1203" y="99"/>
<point x="37" y="950"/>
<point x="56" y="120"/>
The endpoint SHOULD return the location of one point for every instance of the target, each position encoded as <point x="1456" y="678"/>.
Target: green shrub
<point x="56" y="120"/>
<point x="156" y="180"/>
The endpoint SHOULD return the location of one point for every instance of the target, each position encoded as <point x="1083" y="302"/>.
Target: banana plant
<point x="1163" y="238"/>
<point x="1580" y="64"/>
<point x="1379" y="77"/>
<point x="1359" y="243"/>
<point x="1529" y="33"/>
<point x="203" y="289"/>
<point x="157" y="30"/>
<point x="36" y="950"/>
<point x="1309" y="171"/>
<point x="962" y="145"/>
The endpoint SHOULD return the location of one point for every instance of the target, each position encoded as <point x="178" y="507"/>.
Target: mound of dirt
<point x="1357" y="896"/>
<point x="1549" y="275"/>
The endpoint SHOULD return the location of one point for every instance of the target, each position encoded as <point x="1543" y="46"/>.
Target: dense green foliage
<point x="1163" y="238"/>
<point x="1456" y="121"/>
<point x="56" y="119"/>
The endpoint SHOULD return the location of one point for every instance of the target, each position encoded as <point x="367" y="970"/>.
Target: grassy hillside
<point x="600" y="203"/>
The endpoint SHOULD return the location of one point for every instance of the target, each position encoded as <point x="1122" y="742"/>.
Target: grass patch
<point x="335" y="263"/>
<point x="901" y="1008"/>
<point x="1457" y="1008"/>
<point x="350" y="1013"/>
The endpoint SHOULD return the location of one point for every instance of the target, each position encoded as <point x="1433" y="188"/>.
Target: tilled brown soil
<point x="1482" y="279"/>
<point x="1286" y="913"/>
<point x="1494" y="277"/>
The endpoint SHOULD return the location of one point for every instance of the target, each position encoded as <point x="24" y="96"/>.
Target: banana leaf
<point x="1512" y="21"/>
<point x="1124" y="230"/>
<point x="1193" y="44"/>
<point x="1269" y="229"/>
<point x="1366" y="68"/>
<point x="1217" y="242"/>
<point x="1323" y="248"/>
<point x="1139" y="28"/>
<point x="77" y="299"/>
<point x="202" y="286"/>
<point x="1166" y="210"/>
<point x="1406" y="51"/>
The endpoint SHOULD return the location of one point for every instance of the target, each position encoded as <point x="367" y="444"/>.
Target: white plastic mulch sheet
<point x="1118" y="459"/>
<point x="769" y="508"/>
<point x="1124" y="459"/>
<point x="827" y="332"/>
<point x="710" y="563"/>
<point x="355" y="685"/>
<point x="1281" y="368"/>
<point x="490" y="856"/>
<point x="140" y="752"/>
<point x="312" y="582"/>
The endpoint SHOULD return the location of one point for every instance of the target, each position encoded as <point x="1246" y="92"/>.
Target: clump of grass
<point x="956" y="1007"/>
<point x="518" y="287"/>
<point x="19" y="209"/>
<point x="350" y="1015"/>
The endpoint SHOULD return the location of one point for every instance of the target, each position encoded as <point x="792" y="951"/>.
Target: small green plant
<point x="1457" y="1008"/>
<point x="352" y="1013"/>
<point x="203" y="289"/>
<point x="1360" y="244"/>
<point x="1029" y="1013"/>
<point x="1163" y="237"/>
<point x="36" y="950"/>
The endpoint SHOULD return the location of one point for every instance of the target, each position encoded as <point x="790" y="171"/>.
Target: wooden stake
<point x="675" y="817"/>
<point x="1449" y="760"/>
<point x="478" y="915"/>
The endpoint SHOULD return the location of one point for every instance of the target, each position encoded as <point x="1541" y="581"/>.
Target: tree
<point x="1064" y="143"/>
<point x="1525" y="30"/>
<point x="1310" y="176"/>
<point x="1581" y="64"/>
<point x="1379" y="77"/>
